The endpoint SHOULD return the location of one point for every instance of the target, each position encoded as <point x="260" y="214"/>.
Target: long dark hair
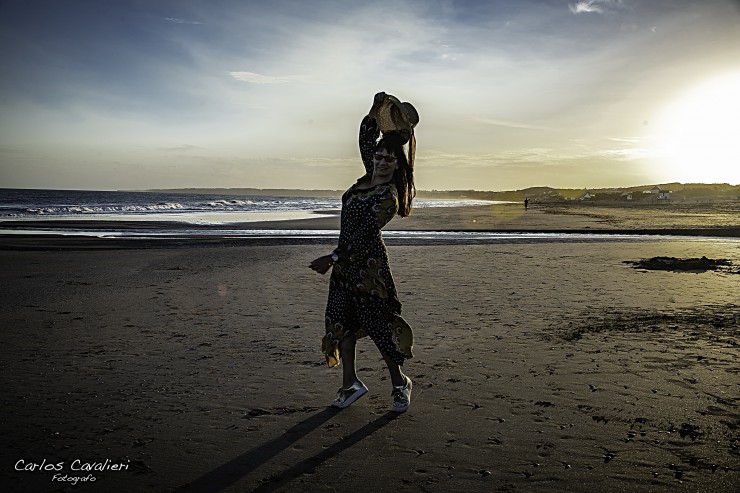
<point x="403" y="177"/>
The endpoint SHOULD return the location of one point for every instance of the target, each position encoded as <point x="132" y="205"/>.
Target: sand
<point x="717" y="219"/>
<point x="539" y="366"/>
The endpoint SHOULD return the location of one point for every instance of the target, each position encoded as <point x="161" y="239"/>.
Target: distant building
<point x="657" y="196"/>
<point x="587" y="196"/>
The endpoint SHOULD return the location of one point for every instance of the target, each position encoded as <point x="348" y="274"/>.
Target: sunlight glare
<point x="697" y="137"/>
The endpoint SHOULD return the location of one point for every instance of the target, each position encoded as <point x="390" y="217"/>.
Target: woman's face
<point x="384" y="163"/>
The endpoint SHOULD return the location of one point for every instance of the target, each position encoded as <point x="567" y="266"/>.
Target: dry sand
<point x="540" y="366"/>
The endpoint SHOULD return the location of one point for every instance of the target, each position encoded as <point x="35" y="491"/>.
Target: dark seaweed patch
<point x="674" y="264"/>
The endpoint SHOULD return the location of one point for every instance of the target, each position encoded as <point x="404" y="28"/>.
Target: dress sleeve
<point x="369" y="133"/>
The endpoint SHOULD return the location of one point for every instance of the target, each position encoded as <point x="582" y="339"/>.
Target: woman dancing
<point x="362" y="295"/>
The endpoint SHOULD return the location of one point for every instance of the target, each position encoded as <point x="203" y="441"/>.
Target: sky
<point x="140" y="94"/>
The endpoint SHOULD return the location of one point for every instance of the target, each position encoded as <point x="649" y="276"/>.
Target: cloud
<point x="585" y="6"/>
<point x="180" y="148"/>
<point x="507" y="88"/>
<point x="541" y="156"/>
<point x="175" y="20"/>
<point x="625" y="140"/>
<point x="10" y="150"/>
<point x="630" y="149"/>
<point x="256" y="78"/>
<point x="596" y="6"/>
<point x="506" y="123"/>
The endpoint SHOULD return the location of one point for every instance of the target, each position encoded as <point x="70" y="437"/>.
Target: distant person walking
<point x="362" y="295"/>
<point x="526" y="203"/>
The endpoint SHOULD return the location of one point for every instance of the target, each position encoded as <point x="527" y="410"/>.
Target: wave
<point x="103" y="209"/>
<point x="29" y="204"/>
<point x="226" y="203"/>
<point x="453" y="202"/>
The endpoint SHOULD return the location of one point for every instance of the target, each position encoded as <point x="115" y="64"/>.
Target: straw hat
<point x="393" y="115"/>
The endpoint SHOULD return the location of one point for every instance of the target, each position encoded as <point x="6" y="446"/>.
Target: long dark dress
<point x="362" y="295"/>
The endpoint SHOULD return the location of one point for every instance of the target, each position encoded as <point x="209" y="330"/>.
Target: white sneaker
<point x="401" y="396"/>
<point x="347" y="396"/>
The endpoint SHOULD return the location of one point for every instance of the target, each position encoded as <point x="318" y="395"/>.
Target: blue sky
<point x="150" y="94"/>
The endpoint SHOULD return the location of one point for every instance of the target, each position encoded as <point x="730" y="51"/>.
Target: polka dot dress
<point x="362" y="295"/>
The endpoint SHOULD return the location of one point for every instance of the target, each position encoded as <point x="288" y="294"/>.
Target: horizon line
<point x="339" y="190"/>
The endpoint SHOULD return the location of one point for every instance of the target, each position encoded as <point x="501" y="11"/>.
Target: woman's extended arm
<point x="369" y="133"/>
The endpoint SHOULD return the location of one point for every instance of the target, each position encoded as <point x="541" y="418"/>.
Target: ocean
<point x="194" y="208"/>
<point x="167" y="215"/>
<point x="178" y="215"/>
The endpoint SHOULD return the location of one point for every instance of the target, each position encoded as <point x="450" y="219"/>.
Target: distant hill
<point x="670" y="192"/>
<point x="675" y="192"/>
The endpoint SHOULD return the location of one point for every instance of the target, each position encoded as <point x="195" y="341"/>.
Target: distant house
<point x="626" y="196"/>
<point x="656" y="195"/>
<point x="587" y="196"/>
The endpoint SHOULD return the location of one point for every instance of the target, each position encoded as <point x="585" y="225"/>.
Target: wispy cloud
<point x="632" y="148"/>
<point x="630" y="154"/>
<point x="596" y="6"/>
<point x="506" y="123"/>
<point x="11" y="150"/>
<point x="585" y="7"/>
<point x="256" y="78"/>
<point x="180" y="148"/>
<point x="175" y="20"/>
<point x="632" y="140"/>
<point x="535" y="155"/>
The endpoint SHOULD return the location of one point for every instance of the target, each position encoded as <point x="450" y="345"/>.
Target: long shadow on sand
<point x="229" y="473"/>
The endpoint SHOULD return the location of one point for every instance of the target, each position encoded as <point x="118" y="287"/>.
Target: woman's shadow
<point x="229" y="473"/>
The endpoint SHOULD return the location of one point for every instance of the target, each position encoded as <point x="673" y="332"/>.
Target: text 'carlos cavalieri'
<point x="77" y="466"/>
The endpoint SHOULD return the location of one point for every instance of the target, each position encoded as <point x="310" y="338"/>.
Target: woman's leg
<point x="351" y="389"/>
<point x="397" y="376"/>
<point x="401" y="386"/>
<point x="347" y="354"/>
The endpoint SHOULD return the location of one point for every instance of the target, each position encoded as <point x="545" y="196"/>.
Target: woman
<point x="362" y="295"/>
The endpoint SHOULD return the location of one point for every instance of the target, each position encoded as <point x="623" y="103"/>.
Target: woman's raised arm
<point x="369" y="133"/>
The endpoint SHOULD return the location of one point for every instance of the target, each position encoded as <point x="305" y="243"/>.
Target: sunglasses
<point x="388" y="158"/>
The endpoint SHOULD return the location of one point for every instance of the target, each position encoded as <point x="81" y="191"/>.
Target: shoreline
<point x="701" y="221"/>
<point x="51" y="242"/>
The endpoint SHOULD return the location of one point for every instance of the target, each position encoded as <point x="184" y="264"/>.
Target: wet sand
<point x="540" y="366"/>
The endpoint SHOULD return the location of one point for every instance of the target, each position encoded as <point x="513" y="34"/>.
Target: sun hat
<point x="393" y="115"/>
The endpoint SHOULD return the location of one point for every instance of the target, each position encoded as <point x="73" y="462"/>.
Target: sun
<point x="697" y="137"/>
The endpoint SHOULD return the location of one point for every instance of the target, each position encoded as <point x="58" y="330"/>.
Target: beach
<point x="541" y="364"/>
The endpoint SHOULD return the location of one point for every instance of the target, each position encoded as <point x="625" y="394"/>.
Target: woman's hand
<point x="377" y="102"/>
<point x="322" y="264"/>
